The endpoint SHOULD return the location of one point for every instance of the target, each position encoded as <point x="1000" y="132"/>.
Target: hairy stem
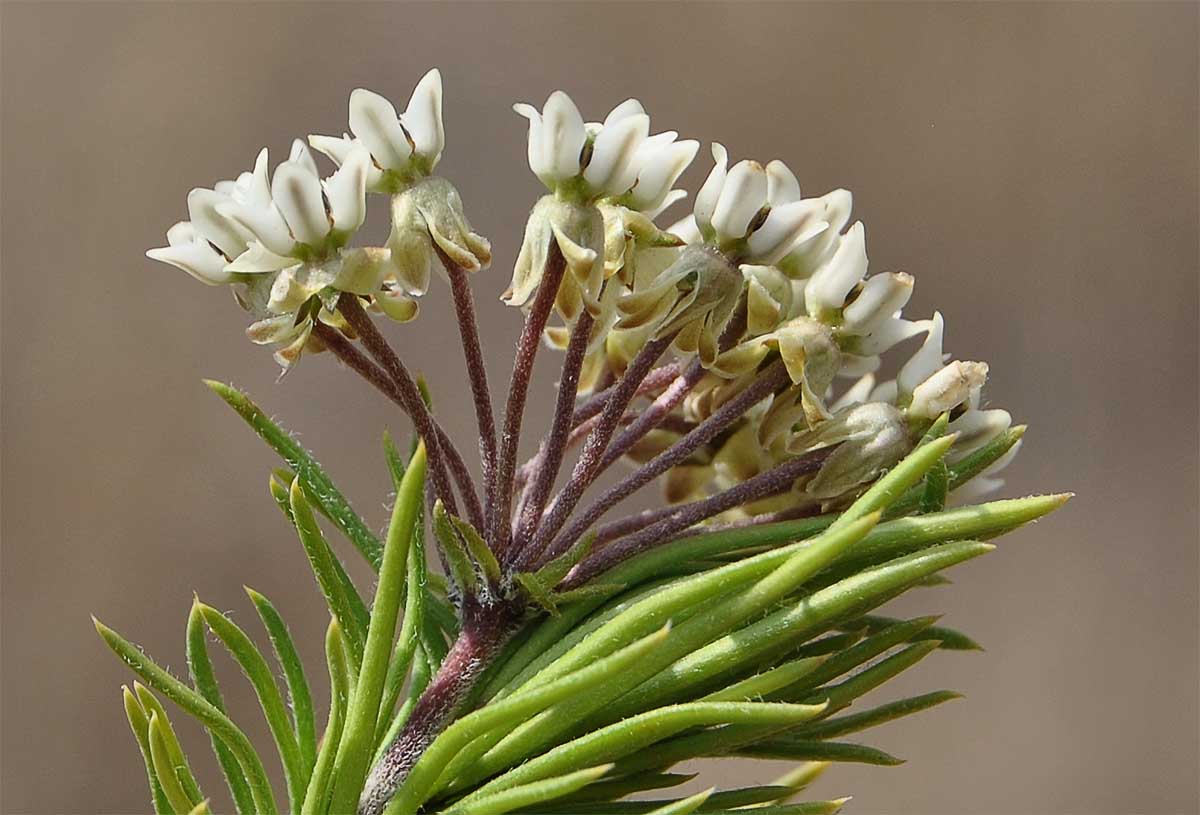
<point x="501" y="488"/>
<point x="344" y="350"/>
<point x="485" y="631"/>
<point x="468" y="329"/>
<point x="586" y="467"/>
<point x="655" y="381"/>
<point x="773" y="377"/>
<point x="764" y="485"/>
<point x="550" y="454"/>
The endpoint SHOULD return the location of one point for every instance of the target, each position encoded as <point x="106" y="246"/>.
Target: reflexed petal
<point x="423" y="117"/>
<point x="630" y="107"/>
<point x="782" y="186"/>
<point x="198" y="259"/>
<point x="212" y="225"/>
<point x="258" y="259"/>
<point x="297" y="193"/>
<point x="264" y="223"/>
<point x="374" y="121"/>
<point x="397" y="305"/>
<point x="687" y="230"/>
<point x="181" y="233"/>
<point x="856" y="394"/>
<point x="742" y="196"/>
<point x="537" y="154"/>
<point x="881" y="297"/>
<point x="563" y="136"/>
<point x="301" y="156"/>
<point x="710" y="192"/>
<point x="926" y="360"/>
<point x="612" y="167"/>
<point x="890" y="332"/>
<point x="786" y="225"/>
<point x="831" y="284"/>
<point x="337" y="148"/>
<point x="346" y="190"/>
<point x="659" y="168"/>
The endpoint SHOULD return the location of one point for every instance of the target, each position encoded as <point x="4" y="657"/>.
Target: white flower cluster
<point x="282" y="238"/>
<point x="796" y="266"/>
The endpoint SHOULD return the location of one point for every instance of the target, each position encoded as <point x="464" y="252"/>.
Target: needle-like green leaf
<point x="319" y="785"/>
<point x="684" y="806"/>
<point x="461" y="567"/>
<point x="412" y="621"/>
<point x="315" y="480"/>
<point x="303" y="719"/>
<point x="166" y="769"/>
<point x="337" y="596"/>
<point x="183" y="770"/>
<point x="855" y="722"/>
<point x="892" y="485"/>
<point x="256" y="669"/>
<point x="951" y="639"/>
<point x="603" y="791"/>
<point x="761" y="684"/>
<point x="196" y="705"/>
<point x="358" y="737"/>
<point x="139" y="723"/>
<point x="901" y="631"/>
<point x="790" y="750"/>
<point x="531" y="794"/>
<point x="204" y="679"/>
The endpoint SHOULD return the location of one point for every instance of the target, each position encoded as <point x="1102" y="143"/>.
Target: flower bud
<point x="873" y="437"/>
<point x="769" y="297"/>
<point x="426" y="217"/>
<point x="947" y="389"/>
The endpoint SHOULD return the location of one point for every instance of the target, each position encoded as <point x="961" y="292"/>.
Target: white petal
<point x="198" y="259"/>
<point x="297" y="193"/>
<point x="881" y="297"/>
<point x="687" y="230"/>
<point x="710" y="192"/>
<point x="742" y="196"/>
<point x="659" y="170"/>
<point x="212" y="225"/>
<point x="947" y="388"/>
<point x="423" y="116"/>
<point x="630" y="107"/>
<point x="181" y="233"/>
<point x="563" y="136"/>
<point x="884" y="392"/>
<point x="782" y="186"/>
<point x="670" y="198"/>
<point x="258" y="259"/>
<point x="829" y="285"/>
<point x="266" y="224"/>
<point x="838" y="205"/>
<point x="374" y="121"/>
<point x="301" y="156"/>
<point x="347" y="191"/>
<point x="856" y="393"/>
<point x="336" y="148"/>
<point x="926" y="360"/>
<point x="786" y="224"/>
<point x="889" y="333"/>
<point x="537" y="154"/>
<point x="611" y="167"/>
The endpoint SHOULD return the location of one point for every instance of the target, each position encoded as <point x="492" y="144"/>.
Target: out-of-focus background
<point x="1035" y="166"/>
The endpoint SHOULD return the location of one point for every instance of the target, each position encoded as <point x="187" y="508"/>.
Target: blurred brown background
<point x="1034" y="165"/>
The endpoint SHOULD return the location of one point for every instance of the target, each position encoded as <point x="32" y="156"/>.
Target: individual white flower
<point x="807" y="255"/>
<point x="760" y="206"/>
<point x="195" y="254"/>
<point x="659" y="161"/>
<point x="881" y="297"/>
<point x="947" y="389"/>
<point x="412" y="141"/>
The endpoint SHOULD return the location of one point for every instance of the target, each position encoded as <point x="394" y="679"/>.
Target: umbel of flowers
<point x="733" y="357"/>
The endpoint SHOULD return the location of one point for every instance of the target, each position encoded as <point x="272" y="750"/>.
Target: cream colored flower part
<point x="760" y="206"/>
<point x="873" y="438"/>
<point x="428" y="222"/>
<point x="616" y="158"/>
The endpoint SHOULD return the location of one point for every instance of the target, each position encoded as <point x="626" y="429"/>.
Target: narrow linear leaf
<point x="537" y="792"/>
<point x="841" y="695"/>
<point x="461" y="567"/>
<point x="204" y="679"/>
<point x="358" y="736"/>
<point x="762" y="684"/>
<point x="684" y="806"/>
<point x="314" y="478"/>
<point x="139" y="723"/>
<point x="900" y="631"/>
<point x="193" y="703"/>
<point x="165" y="769"/>
<point x="479" y="550"/>
<point x="395" y="461"/>
<point x="937" y="485"/>
<point x="820" y="751"/>
<point x="557" y="569"/>
<point x="401" y="664"/>
<point x="182" y="769"/>
<point x="256" y="669"/>
<point x="628" y="785"/>
<point x="892" y="485"/>
<point x="321" y="558"/>
<point x="303" y="718"/>
<point x="951" y="639"/>
<point x="320" y="783"/>
<point x="853" y="723"/>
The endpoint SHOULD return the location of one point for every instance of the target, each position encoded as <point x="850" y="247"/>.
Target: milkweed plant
<point x="558" y="652"/>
